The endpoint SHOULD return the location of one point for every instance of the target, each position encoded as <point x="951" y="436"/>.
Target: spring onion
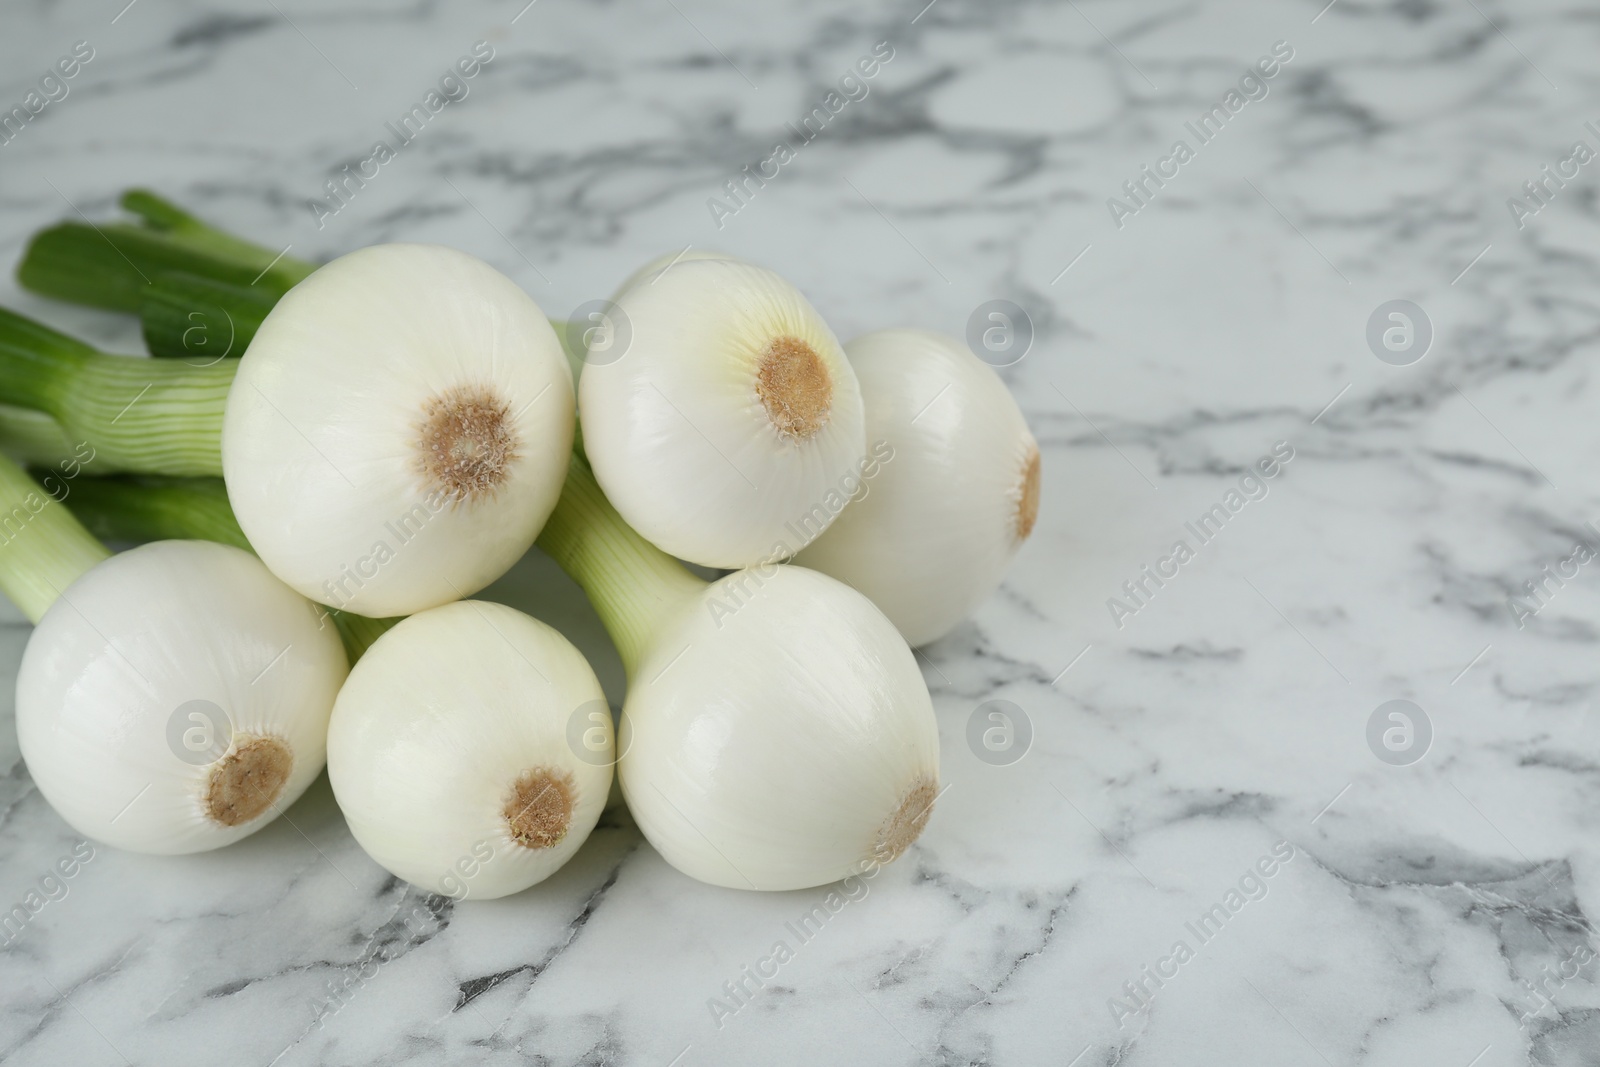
<point x="781" y="733"/>
<point x="392" y="440"/>
<point x="172" y="698"/>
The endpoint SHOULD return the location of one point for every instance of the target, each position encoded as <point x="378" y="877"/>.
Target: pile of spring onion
<point x="321" y="465"/>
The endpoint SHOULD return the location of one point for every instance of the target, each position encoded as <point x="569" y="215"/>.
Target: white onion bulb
<point x="791" y="745"/>
<point x="931" y="534"/>
<point x="730" y="415"/>
<point x="398" y="429"/>
<point x="449" y="750"/>
<point x="175" y="698"/>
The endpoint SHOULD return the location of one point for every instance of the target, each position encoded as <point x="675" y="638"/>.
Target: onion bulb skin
<point x="932" y="533"/>
<point x="667" y="261"/>
<point x="471" y="750"/>
<point x="175" y="698"/>
<point x="398" y="430"/>
<point x="729" y="416"/>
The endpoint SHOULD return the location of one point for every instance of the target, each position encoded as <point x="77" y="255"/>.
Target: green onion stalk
<point x="634" y="586"/>
<point x="149" y="507"/>
<point x="149" y="416"/>
<point x="200" y="293"/>
<point x="43" y="547"/>
<point x="33" y="438"/>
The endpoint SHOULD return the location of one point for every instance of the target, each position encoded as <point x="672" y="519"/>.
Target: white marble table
<point x="1432" y="910"/>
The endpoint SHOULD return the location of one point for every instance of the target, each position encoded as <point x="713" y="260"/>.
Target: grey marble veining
<point x="1437" y="912"/>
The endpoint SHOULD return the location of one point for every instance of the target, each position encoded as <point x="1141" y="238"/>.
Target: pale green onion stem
<point x="43" y="548"/>
<point x="634" y="586"/>
<point x="143" y="415"/>
<point x="33" y="438"/>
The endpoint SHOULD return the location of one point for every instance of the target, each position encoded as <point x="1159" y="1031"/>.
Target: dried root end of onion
<point x="1027" y="512"/>
<point x="467" y="442"/>
<point x="538" y="809"/>
<point x="246" y="783"/>
<point x="906" y="823"/>
<point x="794" y="386"/>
